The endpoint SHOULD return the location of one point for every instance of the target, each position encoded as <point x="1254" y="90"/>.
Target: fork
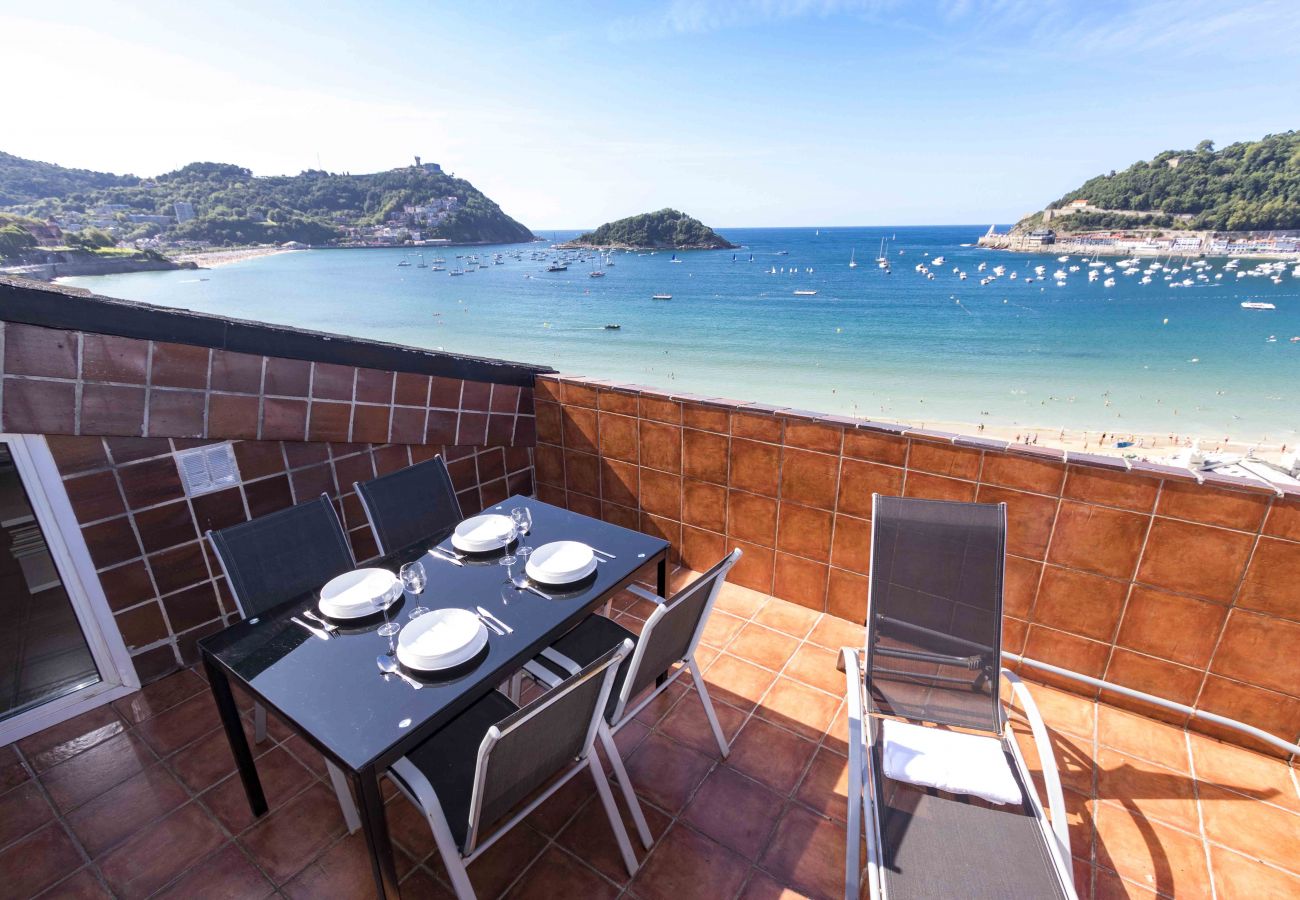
<point x="328" y="626"/>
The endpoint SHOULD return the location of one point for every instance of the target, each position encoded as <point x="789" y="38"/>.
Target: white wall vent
<point x="207" y="469"/>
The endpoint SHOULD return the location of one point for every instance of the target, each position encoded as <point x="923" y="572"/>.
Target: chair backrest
<point x="529" y="747"/>
<point x="672" y="631"/>
<point x="934" y="610"/>
<point x="410" y="505"/>
<point x="281" y="555"/>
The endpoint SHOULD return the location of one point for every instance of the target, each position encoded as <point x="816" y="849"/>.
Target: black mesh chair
<point x="932" y="657"/>
<point x="410" y="505"/>
<point x="494" y="756"/>
<point x="275" y="558"/>
<point x="669" y="637"/>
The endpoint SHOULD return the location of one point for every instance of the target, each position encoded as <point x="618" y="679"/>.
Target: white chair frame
<point x="416" y="788"/>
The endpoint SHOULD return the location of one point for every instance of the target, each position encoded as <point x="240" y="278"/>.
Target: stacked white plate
<point x="441" y="639"/>
<point x="480" y="534"/>
<point x="352" y="594"/>
<point x="561" y="562"/>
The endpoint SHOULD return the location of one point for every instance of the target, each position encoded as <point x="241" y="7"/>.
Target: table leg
<point x="375" y="825"/>
<point x="229" y="713"/>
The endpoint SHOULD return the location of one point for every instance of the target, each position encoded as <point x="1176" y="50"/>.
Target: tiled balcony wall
<point x="69" y="382"/>
<point x="1142" y="577"/>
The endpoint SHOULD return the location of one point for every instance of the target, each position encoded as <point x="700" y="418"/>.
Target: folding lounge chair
<point x="932" y="656"/>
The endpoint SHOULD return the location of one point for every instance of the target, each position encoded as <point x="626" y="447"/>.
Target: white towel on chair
<point x="948" y="760"/>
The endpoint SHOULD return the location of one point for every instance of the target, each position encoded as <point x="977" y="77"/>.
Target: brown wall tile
<point x="582" y="472"/>
<point x="846" y="596"/>
<point x="39" y="407"/>
<point x="581" y="429"/>
<point x="328" y="421"/>
<point x="1082" y="604"/>
<point x="1021" y="586"/>
<point x="374" y="386"/>
<point x="813" y="436"/>
<point x="1272" y="582"/>
<point x="661" y="493"/>
<point x="801" y="581"/>
<point x="111" y="409"/>
<point x="94" y="496"/>
<point x="757" y="426"/>
<point x="810" y="478"/>
<point x="236" y="372"/>
<point x="755" y="467"/>
<point x="1260" y="650"/>
<point x="804" y="531"/>
<point x="619" y="482"/>
<point x="1284" y="519"/>
<point x="1228" y="509"/>
<point x="1171" y="626"/>
<point x="705" y="455"/>
<point x="1195" y="559"/>
<point x="179" y="366"/>
<point x="1023" y="473"/>
<point x="284" y="419"/>
<point x="622" y="402"/>
<point x="751" y="518"/>
<point x="176" y="413"/>
<point x="1108" y="488"/>
<point x="944" y="459"/>
<point x="287" y="377"/>
<point x="878" y="448"/>
<point x="936" y="487"/>
<point x="661" y="446"/>
<point x="706" y="418"/>
<point x="1097" y="539"/>
<point x="151" y="482"/>
<point x="851" y="544"/>
<point x="618" y="437"/>
<point x="1029" y="519"/>
<point x="704" y="505"/>
<point x="232" y="416"/>
<point x="1151" y="676"/>
<point x="31" y="350"/>
<point x="859" y="480"/>
<point x="107" y="357"/>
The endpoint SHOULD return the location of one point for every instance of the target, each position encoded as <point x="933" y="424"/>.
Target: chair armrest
<point x="541" y="674"/>
<point x="1047" y="760"/>
<point x="644" y="594"/>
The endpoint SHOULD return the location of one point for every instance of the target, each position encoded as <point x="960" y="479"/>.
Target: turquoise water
<point x="895" y="346"/>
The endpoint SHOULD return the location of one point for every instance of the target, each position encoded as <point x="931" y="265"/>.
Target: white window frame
<point x="53" y="511"/>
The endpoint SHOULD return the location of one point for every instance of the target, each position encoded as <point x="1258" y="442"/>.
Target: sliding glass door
<point x="59" y="651"/>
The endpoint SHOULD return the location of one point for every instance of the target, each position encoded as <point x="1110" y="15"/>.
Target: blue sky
<point x="741" y="112"/>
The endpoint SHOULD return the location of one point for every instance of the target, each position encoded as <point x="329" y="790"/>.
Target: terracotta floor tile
<point x="37" y="861"/>
<point x="306" y="754"/>
<point x="160" y="852"/>
<point x="837" y="736"/>
<point x="739" y="683"/>
<point x="159" y="696"/>
<point x="686" y="863"/>
<point x="1078" y="818"/>
<point x="771" y="755"/>
<point x="501" y="865"/>
<point x="1109" y="886"/>
<point x="420" y="885"/>
<point x="1074" y="763"/>
<point x="1246" y="772"/>
<point x="343" y="871"/>
<point x="799" y="708"/>
<point x="658" y="708"/>
<point x="763" y="646"/>
<point x="689" y="724"/>
<point x="833" y="633"/>
<point x="786" y="617"/>
<point x="551" y="817"/>
<point x="89" y="774"/>
<point x="721" y="628"/>
<point x="22" y="810"/>
<point x="1154" y="791"/>
<point x="208" y="760"/>
<point x="80" y="885"/>
<point x="1255" y="829"/>
<point x="735" y="811"/>
<point x="630" y="736"/>
<point x="1241" y="876"/>
<point x="666" y="773"/>
<point x="1064" y="711"/>
<point x="12" y="770"/>
<point x="815" y="666"/>
<point x="739" y="600"/>
<point x="282" y="777"/>
<point x="285" y="840"/>
<point x="169" y="731"/>
<point x="826" y="786"/>
<point x="63" y="741"/>
<point x="559" y="874"/>
<point x="1142" y="737"/>
<point x="589" y="837"/>
<point x="225" y="874"/>
<point x="807" y="853"/>
<point x="115" y="815"/>
<point x="1153" y="855"/>
<point x="408" y="829"/>
<point x="762" y="886"/>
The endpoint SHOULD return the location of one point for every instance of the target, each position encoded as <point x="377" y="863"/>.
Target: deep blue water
<point x="895" y="346"/>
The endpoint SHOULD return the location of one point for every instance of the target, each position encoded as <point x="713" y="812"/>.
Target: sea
<point x="892" y="345"/>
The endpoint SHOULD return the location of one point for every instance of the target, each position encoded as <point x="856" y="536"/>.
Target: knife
<point x="495" y="618"/>
<point x="436" y="552"/>
<point x="316" y="631"/>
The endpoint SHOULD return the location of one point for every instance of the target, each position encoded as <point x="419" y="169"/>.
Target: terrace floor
<point x="140" y="798"/>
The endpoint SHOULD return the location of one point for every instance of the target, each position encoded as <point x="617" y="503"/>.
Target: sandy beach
<point x="208" y="259"/>
<point x="1147" y="446"/>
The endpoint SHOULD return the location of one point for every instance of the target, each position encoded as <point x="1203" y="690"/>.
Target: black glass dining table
<point x="332" y="692"/>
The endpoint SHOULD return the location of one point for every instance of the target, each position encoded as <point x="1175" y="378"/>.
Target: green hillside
<point x="234" y="207"/>
<point x="666" y="229"/>
<point x="1253" y="185"/>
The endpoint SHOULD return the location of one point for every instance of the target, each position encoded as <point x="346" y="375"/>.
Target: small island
<point x="666" y="229"/>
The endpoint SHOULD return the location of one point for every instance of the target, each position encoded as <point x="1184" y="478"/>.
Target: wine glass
<point x="522" y="516"/>
<point x="383" y="602"/>
<point x="507" y="536"/>
<point x="414" y="579"/>
<point x="520" y="579"/>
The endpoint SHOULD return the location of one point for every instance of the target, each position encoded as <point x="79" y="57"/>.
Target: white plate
<point x="480" y="534"/>
<point x="561" y="562"/>
<point x="349" y="595"/>
<point x="441" y="639"/>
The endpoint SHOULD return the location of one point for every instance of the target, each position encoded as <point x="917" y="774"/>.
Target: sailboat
<point x="675" y="259"/>
<point x="882" y="257"/>
<point x="853" y="263"/>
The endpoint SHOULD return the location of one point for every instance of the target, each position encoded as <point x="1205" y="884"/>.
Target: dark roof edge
<point x="55" y="306"/>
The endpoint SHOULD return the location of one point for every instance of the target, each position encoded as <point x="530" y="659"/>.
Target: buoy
<point x="1166" y="322"/>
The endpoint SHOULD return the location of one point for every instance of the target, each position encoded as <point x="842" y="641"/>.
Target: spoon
<point x="388" y="666"/>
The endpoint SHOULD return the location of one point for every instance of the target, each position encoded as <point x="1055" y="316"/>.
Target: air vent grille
<point x="207" y="469"/>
